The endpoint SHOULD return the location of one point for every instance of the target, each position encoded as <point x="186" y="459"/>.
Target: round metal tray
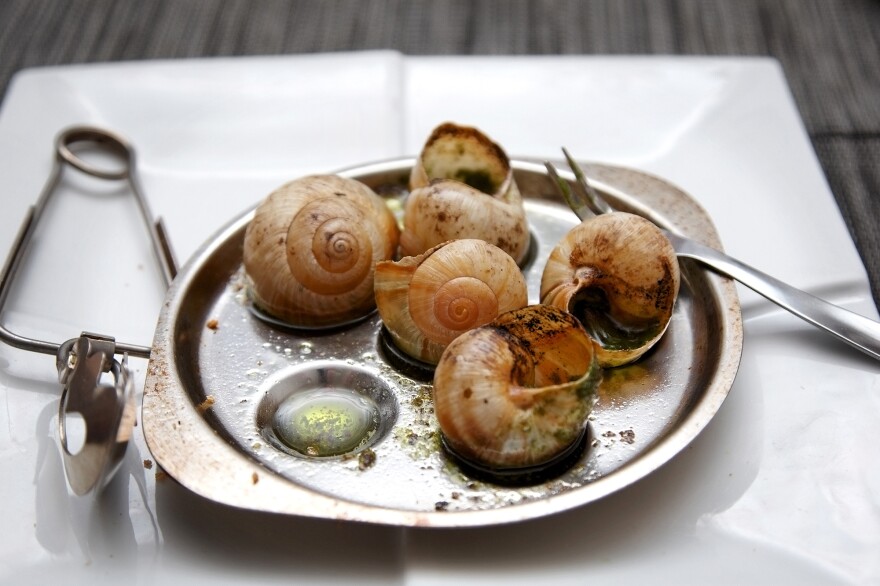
<point x="217" y="372"/>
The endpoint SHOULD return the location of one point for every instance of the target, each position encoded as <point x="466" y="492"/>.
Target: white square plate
<point x="781" y="487"/>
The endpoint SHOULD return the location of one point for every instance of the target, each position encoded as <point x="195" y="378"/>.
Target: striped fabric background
<point x="829" y="50"/>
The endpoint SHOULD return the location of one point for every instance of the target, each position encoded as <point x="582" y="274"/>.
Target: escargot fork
<point x="854" y="329"/>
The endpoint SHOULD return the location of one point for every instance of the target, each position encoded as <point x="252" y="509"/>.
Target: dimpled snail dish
<point x="426" y="301"/>
<point x="462" y="186"/>
<point x="514" y="395"/>
<point x="619" y="275"/>
<point x="311" y="249"/>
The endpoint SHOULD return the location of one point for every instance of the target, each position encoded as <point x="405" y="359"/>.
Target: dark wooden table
<point x="829" y="50"/>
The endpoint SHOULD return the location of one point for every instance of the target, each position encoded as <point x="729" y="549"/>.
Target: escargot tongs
<point x="854" y="329"/>
<point x="106" y="411"/>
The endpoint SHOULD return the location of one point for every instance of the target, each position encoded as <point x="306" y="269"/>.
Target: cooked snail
<point x="311" y="249"/>
<point x="517" y="392"/>
<point x="462" y="186"/>
<point x="619" y="275"/>
<point x="426" y="301"/>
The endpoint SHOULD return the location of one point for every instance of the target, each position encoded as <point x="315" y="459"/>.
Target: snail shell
<point x="619" y="275"/>
<point x="311" y="249"/>
<point x="517" y="392"/>
<point x="428" y="300"/>
<point x="462" y="186"/>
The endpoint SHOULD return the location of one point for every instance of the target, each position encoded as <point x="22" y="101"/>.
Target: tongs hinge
<point x="106" y="411"/>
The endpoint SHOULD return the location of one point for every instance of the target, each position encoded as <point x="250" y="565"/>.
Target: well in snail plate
<point x="311" y="248"/>
<point x="426" y="301"/>
<point x="462" y="186"/>
<point x="619" y="275"/>
<point x="516" y="393"/>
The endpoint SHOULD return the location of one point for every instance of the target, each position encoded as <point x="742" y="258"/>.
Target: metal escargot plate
<point x="217" y="373"/>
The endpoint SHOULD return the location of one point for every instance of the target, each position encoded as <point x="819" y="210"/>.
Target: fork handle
<point x="856" y="330"/>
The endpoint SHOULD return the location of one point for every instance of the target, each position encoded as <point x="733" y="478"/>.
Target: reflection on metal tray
<point x="217" y="372"/>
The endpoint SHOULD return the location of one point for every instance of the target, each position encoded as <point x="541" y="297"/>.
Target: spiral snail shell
<point x="619" y="275"/>
<point x="426" y="301"/>
<point x="462" y="186"/>
<point x="311" y="249"/>
<point x="516" y="392"/>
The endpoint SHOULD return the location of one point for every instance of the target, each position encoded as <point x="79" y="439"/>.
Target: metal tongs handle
<point x="854" y="329"/>
<point x="105" y="408"/>
<point x="118" y="146"/>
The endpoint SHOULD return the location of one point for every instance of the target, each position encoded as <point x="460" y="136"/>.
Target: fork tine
<point x="592" y="198"/>
<point x="578" y="206"/>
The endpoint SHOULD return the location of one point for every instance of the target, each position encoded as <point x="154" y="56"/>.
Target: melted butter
<point x="326" y="421"/>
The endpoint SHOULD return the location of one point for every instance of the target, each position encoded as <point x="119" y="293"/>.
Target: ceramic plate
<point x="780" y="487"/>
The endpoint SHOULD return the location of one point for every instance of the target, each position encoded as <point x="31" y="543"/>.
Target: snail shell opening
<point x="516" y="393"/>
<point x="462" y="186"/>
<point x="465" y="154"/>
<point x="619" y="275"/>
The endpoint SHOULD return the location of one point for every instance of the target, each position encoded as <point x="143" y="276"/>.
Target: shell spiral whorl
<point x="427" y="301"/>
<point x="455" y="305"/>
<point x="311" y="248"/>
<point x="328" y="248"/>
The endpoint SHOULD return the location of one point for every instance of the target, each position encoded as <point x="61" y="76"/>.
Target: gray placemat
<point x="829" y="50"/>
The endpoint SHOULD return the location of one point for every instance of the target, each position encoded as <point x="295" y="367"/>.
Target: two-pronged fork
<point x="856" y="330"/>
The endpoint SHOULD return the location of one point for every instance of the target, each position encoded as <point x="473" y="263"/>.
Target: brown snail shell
<point x="517" y="392"/>
<point x="619" y="275"/>
<point x="428" y="300"/>
<point x="462" y="186"/>
<point x="311" y="249"/>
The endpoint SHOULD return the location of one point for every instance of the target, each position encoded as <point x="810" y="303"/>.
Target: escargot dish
<point x="311" y="249"/>
<point x="428" y="300"/>
<point x="462" y="186"/>
<point x="516" y="392"/>
<point x="619" y="275"/>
